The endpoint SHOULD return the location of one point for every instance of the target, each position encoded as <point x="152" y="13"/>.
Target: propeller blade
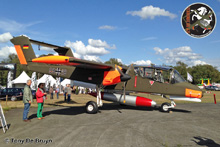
<point x="129" y="68"/>
<point x="124" y="77"/>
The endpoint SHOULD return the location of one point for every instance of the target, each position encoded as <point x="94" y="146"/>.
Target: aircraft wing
<point x="89" y="64"/>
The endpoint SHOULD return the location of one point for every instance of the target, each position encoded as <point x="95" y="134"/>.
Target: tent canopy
<point x="65" y="81"/>
<point x="21" y="79"/>
<point x="47" y="79"/>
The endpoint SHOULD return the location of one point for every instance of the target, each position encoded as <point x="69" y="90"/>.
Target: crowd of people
<point x="41" y="95"/>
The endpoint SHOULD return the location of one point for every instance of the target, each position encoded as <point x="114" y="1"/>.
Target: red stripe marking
<point x="135" y="82"/>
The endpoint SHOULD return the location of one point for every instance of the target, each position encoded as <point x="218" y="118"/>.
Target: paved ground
<point x="118" y="126"/>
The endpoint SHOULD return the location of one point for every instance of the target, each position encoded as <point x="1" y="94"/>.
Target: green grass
<point x="7" y="108"/>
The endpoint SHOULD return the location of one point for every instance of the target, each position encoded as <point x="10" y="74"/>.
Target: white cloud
<point x="92" y="51"/>
<point x="7" y="50"/>
<point x="183" y="54"/>
<point x="100" y="43"/>
<point x="197" y="62"/>
<point x="13" y="26"/>
<point x="214" y="62"/>
<point x="149" y="38"/>
<point x="80" y="48"/>
<point x="46" y="49"/>
<point x="5" y="37"/>
<point x="107" y="27"/>
<point x="142" y="62"/>
<point x="151" y="12"/>
<point x="119" y="60"/>
<point x="92" y="58"/>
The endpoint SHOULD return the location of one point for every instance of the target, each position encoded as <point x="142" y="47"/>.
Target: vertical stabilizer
<point x="24" y="49"/>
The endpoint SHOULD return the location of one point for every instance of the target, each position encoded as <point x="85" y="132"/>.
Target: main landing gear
<point x="93" y="107"/>
<point x="166" y="107"/>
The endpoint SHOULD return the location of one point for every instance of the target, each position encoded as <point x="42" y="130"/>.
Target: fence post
<point x="214" y="99"/>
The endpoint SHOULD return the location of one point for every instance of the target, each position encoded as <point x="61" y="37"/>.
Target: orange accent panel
<point x="52" y="60"/>
<point x="193" y="93"/>
<point x="111" y="77"/>
<point x="20" y="54"/>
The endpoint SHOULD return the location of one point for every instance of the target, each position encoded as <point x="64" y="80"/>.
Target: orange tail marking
<point x="20" y="54"/>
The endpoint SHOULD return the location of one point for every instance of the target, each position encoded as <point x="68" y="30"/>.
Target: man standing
<point x="57" y="91"/>
<point x="65" y="92"/>
<point x="69" y="91"/>
<point x="27" y="99"/>
<point x="51" y="92"/>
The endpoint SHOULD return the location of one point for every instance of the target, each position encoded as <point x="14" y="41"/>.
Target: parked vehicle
<point x="215" y="88"/>
<point x="14" y="93"/>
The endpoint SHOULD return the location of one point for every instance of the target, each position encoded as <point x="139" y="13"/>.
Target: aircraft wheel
<point x="91" y="107"/>
<point x="164" y="107"/>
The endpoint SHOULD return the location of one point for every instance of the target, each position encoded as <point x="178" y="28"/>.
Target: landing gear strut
<point x="93" y="107"/>
<point x="166" y="107"/>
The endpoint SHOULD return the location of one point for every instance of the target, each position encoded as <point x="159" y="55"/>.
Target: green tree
<point x="181" y="68"/>
<point x="205" y="71"/>
<point x="13" y="58"/>
<point x="113" y="61"/>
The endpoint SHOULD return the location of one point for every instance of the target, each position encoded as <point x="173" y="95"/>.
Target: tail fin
<point x="24" y="49"/>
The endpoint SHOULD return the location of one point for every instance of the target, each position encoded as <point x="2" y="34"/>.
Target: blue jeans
<point x="68" y="100"/>
<point x="26" y="110"/>
<point x="65" y="93"/>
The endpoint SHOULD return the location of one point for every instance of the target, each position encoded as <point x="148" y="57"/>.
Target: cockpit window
<point x="163" y="75"/>
<point x="144" y="72"/>
<point x="176" y="77"/>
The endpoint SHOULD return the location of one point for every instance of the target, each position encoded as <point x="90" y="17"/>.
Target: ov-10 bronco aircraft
<point x="113" y="82"/>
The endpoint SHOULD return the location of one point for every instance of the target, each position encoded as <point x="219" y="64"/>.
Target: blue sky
<point x="103" y="29"/>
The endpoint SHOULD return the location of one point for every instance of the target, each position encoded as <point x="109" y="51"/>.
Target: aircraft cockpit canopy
<point x="159" y="73"/>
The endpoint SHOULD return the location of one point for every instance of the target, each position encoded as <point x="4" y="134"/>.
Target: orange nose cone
<point x="193" y="93"/>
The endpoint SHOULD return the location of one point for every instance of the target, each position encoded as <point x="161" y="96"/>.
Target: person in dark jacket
<point x="40" y="96"/>
<point x="27" y="99"/>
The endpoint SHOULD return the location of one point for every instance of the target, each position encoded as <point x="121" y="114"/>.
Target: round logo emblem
<point x="198" y="20"/>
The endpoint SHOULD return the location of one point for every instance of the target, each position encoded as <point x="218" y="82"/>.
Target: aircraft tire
<point x="163" y="107"/>
<point x="91" y="107"/>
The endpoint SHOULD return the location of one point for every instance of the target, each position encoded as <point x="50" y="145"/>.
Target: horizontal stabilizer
<point x="65" y="51"/>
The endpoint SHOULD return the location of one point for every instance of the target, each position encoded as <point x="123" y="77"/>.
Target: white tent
<point x="21" y="80"/>
<point x="65" y="81"/>
<point x="48" y="80"/>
